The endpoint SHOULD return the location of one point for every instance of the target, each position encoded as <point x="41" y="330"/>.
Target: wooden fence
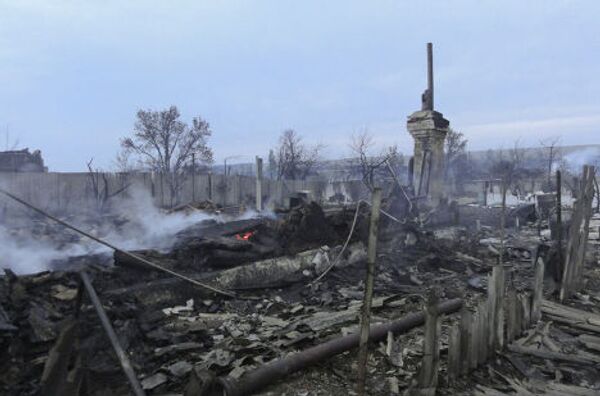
<point x="578" y="235"/>
<point x="483" y="330"/>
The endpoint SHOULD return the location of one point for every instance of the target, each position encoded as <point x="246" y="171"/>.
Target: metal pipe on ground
<point x="271" y="372"/>
<point x="136" y="387"/>
<point x="132" y="256"/>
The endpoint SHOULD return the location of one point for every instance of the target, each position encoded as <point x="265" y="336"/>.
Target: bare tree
<point x="369" y="165"/>
<point x="508" y="166"/>
<point x="455" y="146"/>
<point x="295" y="160"/>
<point x="552" y="156"/>
<point x="122" y="162"/>
<point x="456" y="161"/>
<point x="100" y="186"/>
<point x="165" y="144"/>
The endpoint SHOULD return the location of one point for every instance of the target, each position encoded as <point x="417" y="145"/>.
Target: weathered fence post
<point x="454" y="360"/>
<point x="559" y="229"/>
<point x="474" y="344"/>
<point x="428" y="376"/>
<point x="538" y="291"/>
<point x="512" y="329"/>
<point x="465" y="338"/>
<point x="483" y="332"/>
<point x="496" y="304"/>
<point x="363" y="350"/>
<point x="578" y="235"/>
<point x="525" y="300"/>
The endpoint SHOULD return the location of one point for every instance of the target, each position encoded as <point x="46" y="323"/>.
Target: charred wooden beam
<point x="274" y="272"/>
<point x="363" y="351"/>
<point x="136" y="387"/>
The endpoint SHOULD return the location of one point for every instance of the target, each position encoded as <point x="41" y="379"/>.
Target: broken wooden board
<point x="574" y="317"/>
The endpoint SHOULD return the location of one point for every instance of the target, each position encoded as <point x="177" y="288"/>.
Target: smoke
<point x="587" y="156"/>
<point x="134" y="223"/>
<point x="147" y="226"/>
<point x="23" y="254"/>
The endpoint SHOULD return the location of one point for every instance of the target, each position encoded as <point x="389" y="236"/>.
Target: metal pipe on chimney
<point x="430" y="71"/>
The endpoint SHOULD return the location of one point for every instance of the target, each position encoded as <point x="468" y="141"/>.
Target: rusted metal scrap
<point x="271" y="372"/>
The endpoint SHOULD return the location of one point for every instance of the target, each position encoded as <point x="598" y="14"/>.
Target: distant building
<point x="22" y="161"/>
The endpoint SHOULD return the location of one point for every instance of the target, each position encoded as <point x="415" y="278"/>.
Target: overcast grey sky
<point x="73" y="73"/>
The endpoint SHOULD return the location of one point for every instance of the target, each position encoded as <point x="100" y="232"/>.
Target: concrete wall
<point x="72" y="193"/>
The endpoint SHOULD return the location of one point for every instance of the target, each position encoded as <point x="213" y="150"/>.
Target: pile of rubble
<point x="182" y="339"/>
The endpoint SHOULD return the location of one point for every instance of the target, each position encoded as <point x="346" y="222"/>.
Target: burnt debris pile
<point x="247" y="304"/>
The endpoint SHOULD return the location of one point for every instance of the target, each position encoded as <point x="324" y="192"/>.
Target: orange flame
<point x="245" y="236"/>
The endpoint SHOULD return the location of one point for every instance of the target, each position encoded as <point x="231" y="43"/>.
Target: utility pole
<point x="259" y="177"/>
<point x="193" y="177"/>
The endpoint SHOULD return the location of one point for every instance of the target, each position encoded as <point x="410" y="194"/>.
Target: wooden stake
<point x="465" y="339"/>
<point x="525" y="300"/>
<point x="428" y="376"/>
<point x="475" y="337"/>
<point x="588" y="190"/>
<point x="368" y="296"/>
<point x="496" y="298"/>
<point x="519" y="315"/>
<point x="503" y="221"/>
<point x="559" y="230"/>
<point x="454" y="361"/>
<point x="578" y="235"/>
<point x="491" y="309"/>
<point x="538" y="291"/>
<point x="483" y="332"/>
<point x="511" y="309"/>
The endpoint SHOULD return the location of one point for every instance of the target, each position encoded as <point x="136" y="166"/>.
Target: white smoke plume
<point x="587" y="156"/>
<point x="24" y="254"/>
<point x="143" y="226"/>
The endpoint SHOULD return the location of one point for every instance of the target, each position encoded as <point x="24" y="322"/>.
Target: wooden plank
<point x="428" y="376"/>
<point x="475" y="340"/>
<point x="519" y="316"/>
<point x="491" y="309"/>
<point x="454" y="361"/>
<point x="483" y="332"/>
<point x="511" y="310"/>
<point x="363" y="350"/>
<point x="538" y="291"/>
<point x="579" y="358"/>
<point x="575" y="317"/>
<point x="587" y="214"/>
<point x="496" y="300"/>
<point x="526" y="311"/>
<point x="578" y="235"/>
<point x="465" y="338"/>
